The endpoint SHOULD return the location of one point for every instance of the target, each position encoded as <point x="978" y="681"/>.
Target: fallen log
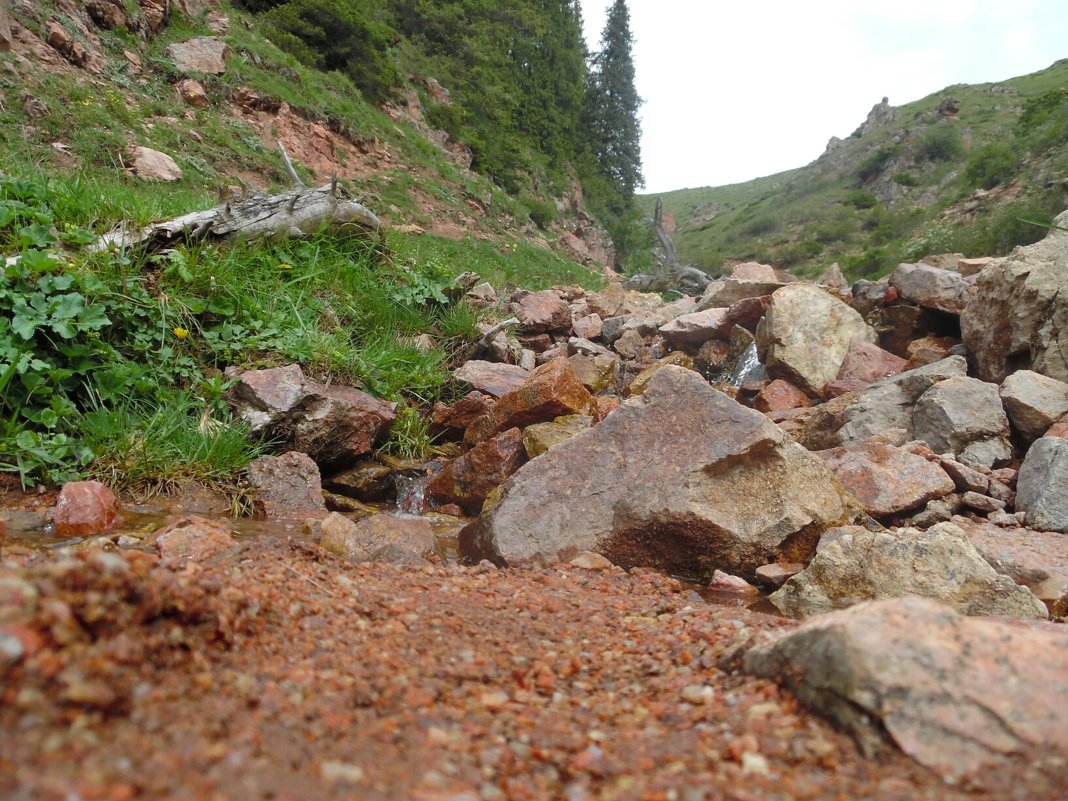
<point x="293" y="214"/>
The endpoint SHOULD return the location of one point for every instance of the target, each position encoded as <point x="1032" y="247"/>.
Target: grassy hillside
<point x="928" y="177"/>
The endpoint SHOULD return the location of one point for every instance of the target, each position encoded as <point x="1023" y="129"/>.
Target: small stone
<point x="84" y="508"/>
<point x="494" y="699"/>
<point x="725" y="582"/>
<point x="775" y="575"/>
<point x="755" y="763"/>
<point x="588" y="560"/>
<point x="698" y="694"/>
<point x="341" y="773"/>
<point x="982" y="503"/>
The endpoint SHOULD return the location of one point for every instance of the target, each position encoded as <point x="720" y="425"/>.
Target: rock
<point x="966" y="478"/>
<point x="218" y="22"/>
<point x="641" y="381"/>
<point x="735" y="585"/>
<point x="864" y="364"/>
<point x="780" y="396"/>
<point x="191" y="538"/>
<point x="151" y="165"/>
<point x="722" y="294"/>
<point x="588" y="560"/>
<point x="833" y="277"/>
<point x="206" y="54"/>
<point x="539" y="312"/>
<point x="395" y="554"/>
<point x="481" y="296"/>
<point x="932" y="288"/>
<point x="806" y="334"/>
<point x="362" y="539"/>
<point x="717" y="486"/>
<point x="60" y="40"/>
<point x="929" y="349"/>
<point x="711" y="357"/>
<point x="551" y="391"/>
<point x="6" y="39"/>
<point x="455" y="418"/>
<point x="540" y="437"/>
<point x="939" y="563"/>
<point x="107" y="14"/>
<point x="286" y="487"/>
<point x="608" y="302"/>
<point x="597" y="373"/>
<point x="588" y="327"/>
<point x="1033" y="402"/>
<point x="753" y="271"/>
<point x="982" y="503"/>
<point x="886" y="405"/>
<point x="887" y="480"/>
<point x="1042" y="488"/>
<point x="632" y="346"/>
<point x="84" y="508"/>
<point x="694" y="329"/>
<point x="777" y="574"/>
<point x="746" y="312"/>
<point x="491" y="377"/>
<point x="957" y="694"/>
<point x="469" y="479"/>
<point x="192" y="92"/>
<point x="336" y="425"/>
<point x="366" y="481"/>
<point x="1019" y="316"/>
<point x="965" y="416"/>
<point x="969" y="267"/>
<point x="1037" y="560"/>
<point x="155" y="13"/>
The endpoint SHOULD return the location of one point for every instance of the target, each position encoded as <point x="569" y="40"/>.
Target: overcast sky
<point x="737" y="90"/>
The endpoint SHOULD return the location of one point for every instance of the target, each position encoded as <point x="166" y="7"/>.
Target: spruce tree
<point x="612" y="108"/>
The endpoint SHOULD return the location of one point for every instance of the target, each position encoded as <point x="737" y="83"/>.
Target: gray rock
<point x="939" y="563"/>
<point x="965" y="416"/>
<point x="493" y="378"/>
<point x="696" y="328"/>
<point x="202" y="54"/>
<point x="1042" y="488"/>
<point x="805" y="335"/>
<point x="932" y="288"/>
<point x="1033" y="402"/>
<point x="716" y="486"/>
<point x="960" y="695"/>
<point x="1019" y="316"/>
<point x="721" y="294"/>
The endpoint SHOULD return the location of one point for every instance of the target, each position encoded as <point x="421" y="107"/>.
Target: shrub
<point x="905" y="179"/>
<point x="542" y="212"/>
<point x="992" y="164"/>
<point x="941" y="143"/>
<point x="874" y="164"/>
<point x="861" y="199"/>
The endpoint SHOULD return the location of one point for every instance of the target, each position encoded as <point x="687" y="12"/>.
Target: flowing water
<point x="748" y="368"/>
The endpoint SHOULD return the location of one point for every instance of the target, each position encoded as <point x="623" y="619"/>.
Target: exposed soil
<point x="276" y="671"/>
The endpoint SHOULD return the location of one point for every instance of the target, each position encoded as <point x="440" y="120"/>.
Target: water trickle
<point x="748" y="368"/>
<point x="411" y="492"/>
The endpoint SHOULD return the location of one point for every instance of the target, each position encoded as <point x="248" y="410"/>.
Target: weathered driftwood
<point x="671" y="270"/>
<point x="296" y="213"/>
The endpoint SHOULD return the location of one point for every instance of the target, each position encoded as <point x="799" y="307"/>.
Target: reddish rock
<point x="192" y="92"/>
<point x="337" y="425"/>
<point x="780" y="396"/>
<point x="695" y="328"/>
<point x="155" y="13"/>
<point x="632" y="345"/>
<point x="551" y="391"/>
<point x="887" y="480"/>
<point x="778" y="573"/>
<point x="746" y="312"/>
<point x="63" y="43"/>
<point x="539" y="312"/>
<point x="712" y="356"/>
<point x="470" y="479"/>
<point x="606" y="404"/>
<point x="107" y="13"/>
<point x="264" y="397"/>
<point x="588" y="327"/>
<point x="191" y="538"/>
<point x="362" y="539"/>
<point x="753" y="271"/>
<point x="287" y="487"/>
<point x="493" y="378"/>
<point x="84" y="508"/>
<point x="929" y="349"/>
<point x="456" y="417"/>
<point x="608" y="302"/>
<point x="867" y="363"/>
<point x="968" y="267"/>
<point x="967" y="479"/>
<point x="1058" y="429"/>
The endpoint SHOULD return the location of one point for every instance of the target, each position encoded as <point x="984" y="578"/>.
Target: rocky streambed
<point x="890" y="474"/>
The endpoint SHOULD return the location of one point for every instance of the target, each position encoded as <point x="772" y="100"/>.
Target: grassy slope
<point x="124" y="392"/>
<point x="803" y="219"/>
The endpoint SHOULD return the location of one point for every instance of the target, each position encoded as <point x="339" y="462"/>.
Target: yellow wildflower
<point x="181" y="333"/>
<point x="285" y="266"/>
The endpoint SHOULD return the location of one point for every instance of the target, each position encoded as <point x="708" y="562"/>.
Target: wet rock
<point x="806" y="334"/>
<point x="932" y="287"/>
<point x="736" y="585"/>
<point x="193" y="93"/>
<point x="1042" y="487"/>
<point x="492" y="378"/>
<point x="1019" y="317"/>
<point x="551" y="391"/>
<point x="539" y="312"/>
<point x="780" y="396"/>
<point x="965" y="416"/>
<point x="360" y="540"/>
<point x="84" y="508"/>
<point x="191" y="538"/>
<point x="469" y="479"/>
<point x="694" y="329"/>
<point x="541" y="437"/>
<point x="885" y="479"/>
<point x="597" y="373"/>
<point x="1033" y="402"/>
<point x="717" y="486"/>
<point x="641" y="381"/>
<point x="939" y="563"/>
<point x="203" y="54"/>
<point x="888" y="404"/>
<point x="366" y="481"/>
<point x="286" y="487"/>
<point x="712" y="357"/>
<point x="957" y="694"/>
<point x="152" y="165"/>
<point x="455" y="418"/>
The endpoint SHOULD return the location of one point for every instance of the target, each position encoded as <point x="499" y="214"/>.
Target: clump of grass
<point x="410" y="436"/>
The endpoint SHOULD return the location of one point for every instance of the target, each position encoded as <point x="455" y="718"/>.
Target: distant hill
<point x="960" y="170"/>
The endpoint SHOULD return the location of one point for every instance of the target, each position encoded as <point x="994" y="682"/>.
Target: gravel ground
<point x="280" y="672"/>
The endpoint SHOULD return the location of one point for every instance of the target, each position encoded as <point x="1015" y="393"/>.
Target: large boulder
<point x="206" y="54"/>
<point x="806" y="334"/>
<point x="864" y="364"/>
<point x="939" y="563"/>
<point x="695" y="328"/>
<point x="543" y="311"/>
<point x="153" y="165"/>
<point x="887" y="404"/>
<point x="1042" y="486"/>
<point x="1019" y="316"/>
<point x="1033" y="402"/>
<point x="957" y="694"/>
<point x="964" y="415"/>
<point x="493" y="378"/>
<point x="932" y="288"/>
<point x="885" y="479"/>
<point x="681" y="477"/>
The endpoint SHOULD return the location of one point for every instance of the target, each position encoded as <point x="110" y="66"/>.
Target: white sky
<point x="737" y="90"/>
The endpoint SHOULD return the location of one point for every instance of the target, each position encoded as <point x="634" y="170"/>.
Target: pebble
<point x="699" y="694"/>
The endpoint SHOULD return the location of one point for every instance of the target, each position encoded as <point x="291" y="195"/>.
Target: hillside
<point x="955" y="171"/>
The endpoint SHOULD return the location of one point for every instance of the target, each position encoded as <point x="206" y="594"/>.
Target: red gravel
<point x="279" y="672"/>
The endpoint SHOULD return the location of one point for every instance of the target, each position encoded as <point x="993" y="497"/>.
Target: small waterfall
<point x="748" y="368"/>
<point x="411" y="492"/>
